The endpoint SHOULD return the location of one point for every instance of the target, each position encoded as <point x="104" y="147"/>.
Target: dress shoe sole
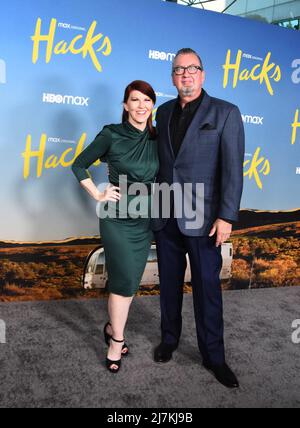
<point x="163" y="361"/>
<point x="209" y="370"/>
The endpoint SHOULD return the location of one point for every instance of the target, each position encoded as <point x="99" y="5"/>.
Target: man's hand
<point x="223" y="229"/>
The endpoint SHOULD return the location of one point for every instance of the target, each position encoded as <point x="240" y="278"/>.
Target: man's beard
<point x="187" y="91"/>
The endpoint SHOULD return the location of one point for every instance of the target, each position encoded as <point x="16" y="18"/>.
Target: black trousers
<point x="206" y="265"/>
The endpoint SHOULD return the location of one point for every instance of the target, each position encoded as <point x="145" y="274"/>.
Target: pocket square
<point x="207" y="127"/>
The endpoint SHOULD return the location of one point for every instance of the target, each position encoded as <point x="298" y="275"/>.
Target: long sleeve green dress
<point x="126" y="236"/>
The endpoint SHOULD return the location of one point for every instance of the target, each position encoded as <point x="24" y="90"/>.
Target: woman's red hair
<point x="146" y="89"/>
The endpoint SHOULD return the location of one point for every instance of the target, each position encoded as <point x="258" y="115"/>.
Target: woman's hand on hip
<point x="111" y="194"/>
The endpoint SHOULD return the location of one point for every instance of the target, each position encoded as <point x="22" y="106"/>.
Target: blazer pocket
<point x="208" y="127"/>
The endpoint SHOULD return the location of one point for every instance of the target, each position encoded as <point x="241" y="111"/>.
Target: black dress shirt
<point x="181" y="120"/>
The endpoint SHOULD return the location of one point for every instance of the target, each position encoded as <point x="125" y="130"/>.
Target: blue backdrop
<point x="63" y="69"/>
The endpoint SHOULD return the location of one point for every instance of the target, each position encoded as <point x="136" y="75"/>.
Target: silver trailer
<point x="95" y="272"/>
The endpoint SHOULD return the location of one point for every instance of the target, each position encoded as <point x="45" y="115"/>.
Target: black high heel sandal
<point x="108" y="337"/>
<point x="110" y="363"/>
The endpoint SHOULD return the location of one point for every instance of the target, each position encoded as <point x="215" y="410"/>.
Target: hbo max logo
<point x="65" y="99"/>
<point x="161" y="56"/>
<point x="2" y="71"/>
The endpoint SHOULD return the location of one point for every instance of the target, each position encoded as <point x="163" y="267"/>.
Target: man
<point x="201" y="140"/>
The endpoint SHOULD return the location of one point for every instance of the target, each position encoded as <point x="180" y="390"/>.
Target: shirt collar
<point x="193" y="105"/>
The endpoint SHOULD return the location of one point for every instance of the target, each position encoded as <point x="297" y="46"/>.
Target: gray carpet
<point x="54" y="356"/>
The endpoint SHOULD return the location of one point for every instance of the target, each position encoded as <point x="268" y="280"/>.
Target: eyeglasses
<point x="192" y="69"/>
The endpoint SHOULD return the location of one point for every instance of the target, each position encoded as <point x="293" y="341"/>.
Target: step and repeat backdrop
<point x="63" y="69"/>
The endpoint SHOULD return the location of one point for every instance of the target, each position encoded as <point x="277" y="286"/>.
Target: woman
<point x="130" y="149"/>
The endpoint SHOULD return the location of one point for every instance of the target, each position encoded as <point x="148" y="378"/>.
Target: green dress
<point x="125" y="232"/>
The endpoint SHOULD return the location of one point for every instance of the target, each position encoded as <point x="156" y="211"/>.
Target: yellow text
<point x="77" y="46"/>
<point x="264" y="73"/>
<point x="257" y="167"/>
<point x="295" y="126"/>
<point x="52" y="161"/>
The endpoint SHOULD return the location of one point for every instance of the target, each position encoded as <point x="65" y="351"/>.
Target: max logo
<point x="2" y="71"/>
<point x="77" y="46"/>
<point x="263" y="73"/>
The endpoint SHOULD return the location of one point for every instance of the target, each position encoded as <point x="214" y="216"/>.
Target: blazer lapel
<point x="170" y="114"/>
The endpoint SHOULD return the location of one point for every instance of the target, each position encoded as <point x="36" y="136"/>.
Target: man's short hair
<point x="187" y="51"/>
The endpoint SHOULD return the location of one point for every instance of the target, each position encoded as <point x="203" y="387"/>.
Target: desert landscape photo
<point x="266" y="254"/>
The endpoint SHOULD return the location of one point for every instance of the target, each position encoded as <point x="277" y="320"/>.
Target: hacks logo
<point x="89" y="45"/>
<point x="2" y="71"/>
<point x="295" y="127"/>
<point x="267" y="74"/>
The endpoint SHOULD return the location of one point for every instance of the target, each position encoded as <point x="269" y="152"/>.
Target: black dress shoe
<point x="164" y="353"/>
<point x="114" y="366"/>
<point x="108" y="337"/>
<point x="223" y="374"/>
